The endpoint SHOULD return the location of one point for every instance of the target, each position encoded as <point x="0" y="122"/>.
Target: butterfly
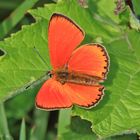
<point x="76" y="71"/>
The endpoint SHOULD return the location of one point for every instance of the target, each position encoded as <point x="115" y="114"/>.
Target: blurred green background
<point x="19" y="119"/>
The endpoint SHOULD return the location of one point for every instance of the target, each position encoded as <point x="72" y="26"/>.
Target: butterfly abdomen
<point x="76" y="78"/>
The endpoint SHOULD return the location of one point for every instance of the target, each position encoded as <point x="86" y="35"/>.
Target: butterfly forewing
<point x="63" y="37"/>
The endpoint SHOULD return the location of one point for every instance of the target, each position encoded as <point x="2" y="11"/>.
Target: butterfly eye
<point x="49" y="73"/>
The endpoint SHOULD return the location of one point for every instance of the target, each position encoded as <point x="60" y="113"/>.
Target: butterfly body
<point x="64" y="76"/>
<point x="76" y="71"/>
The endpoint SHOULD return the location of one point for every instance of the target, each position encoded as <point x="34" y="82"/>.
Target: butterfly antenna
<point x="36" y="50"/>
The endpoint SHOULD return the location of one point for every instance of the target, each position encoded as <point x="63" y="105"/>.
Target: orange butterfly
<point x="76" y="72"/>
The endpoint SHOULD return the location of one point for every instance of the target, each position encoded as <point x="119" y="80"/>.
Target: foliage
<point x="22" y="69"/>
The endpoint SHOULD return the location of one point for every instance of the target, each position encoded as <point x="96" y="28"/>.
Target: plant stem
<point x="4" y="131"/>
<point x="64" y="121"/>
<point x="40" y="125"/>
<point x="23" y="131"/>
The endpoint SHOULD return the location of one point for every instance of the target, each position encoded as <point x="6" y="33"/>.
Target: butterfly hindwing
<point x="84" y="96"/>
<point x="52" y="96"/>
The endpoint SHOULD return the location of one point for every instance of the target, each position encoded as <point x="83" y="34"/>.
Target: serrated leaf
<point x="73" y="10"/>
<point x="119" y="110"/>
<point x="80" y="130"/>
<point x="21" y="64"/>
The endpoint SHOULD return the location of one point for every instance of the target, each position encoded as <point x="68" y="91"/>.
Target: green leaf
<point x="21" y="65"/>
<point x="119" y="110"/>
<point x="136" y="4"/>
<point x="112" y="115"/>
<point x="93" y="28"/>
<point x="124" y="137"/>
<point x="128" y="18"/>
<point x="104" y="10"/>
<point x="23" y="131"/>
<point x="15" y="17"/>
<point x="121" y="102"/>
<point x="21" y="104"/>
<point x="79" y="130"/>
